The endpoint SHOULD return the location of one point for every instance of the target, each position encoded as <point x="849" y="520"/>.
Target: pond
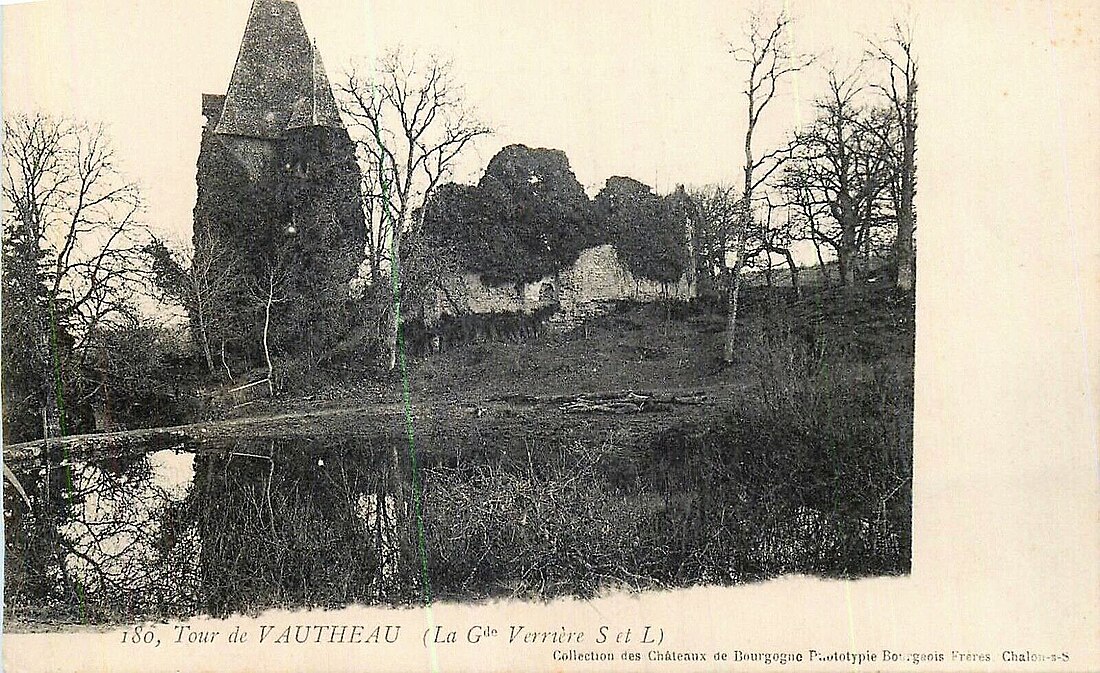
<point x="299" y="523"/>
<point x="174" y="532"/>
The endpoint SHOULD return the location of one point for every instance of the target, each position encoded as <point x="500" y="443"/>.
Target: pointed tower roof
<point x="318" y="108"/>
<point x="279" y="80"/>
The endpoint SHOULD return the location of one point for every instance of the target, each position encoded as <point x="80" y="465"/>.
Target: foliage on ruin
<point x="529" y="217"/>
<point x="648" y="231"/>
<point x="303" y="216"/>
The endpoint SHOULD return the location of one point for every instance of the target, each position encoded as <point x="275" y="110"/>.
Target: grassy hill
<point x="652" y="346"/>
<point x="669" y="346"/>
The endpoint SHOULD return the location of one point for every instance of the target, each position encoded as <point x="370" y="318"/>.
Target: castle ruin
<point x="278" y="182"/>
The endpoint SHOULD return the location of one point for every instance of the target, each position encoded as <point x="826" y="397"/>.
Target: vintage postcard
<point x="355" y="335"/>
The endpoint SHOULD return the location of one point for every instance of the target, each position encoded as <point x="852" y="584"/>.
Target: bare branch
<point x="410" y="125"/>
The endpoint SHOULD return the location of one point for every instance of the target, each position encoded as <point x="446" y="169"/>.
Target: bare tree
<point x="379" y="223"/>
<point x="840" y="173"/>
<point x="773" y="236"/>
<point x="897" y="54"/>
<point x="73" y="246"/>
<point x="718" y="220"/>
<point x="804" y="216"/>
<point x="769" y="59"/>
<point x="270" y="289"/>
<point x="204" y="281"/>
<point x="410" y="123"/>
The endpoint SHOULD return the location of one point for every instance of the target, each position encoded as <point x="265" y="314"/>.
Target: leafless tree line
<point x="844" y="183"/>
<point x="73" y="242"/>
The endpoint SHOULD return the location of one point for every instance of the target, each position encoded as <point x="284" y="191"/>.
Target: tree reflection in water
<point x="297" y="523"/>
<point x="289" y="523"/>
<point x="301" y="529"/>
<point x="93" y="545"/>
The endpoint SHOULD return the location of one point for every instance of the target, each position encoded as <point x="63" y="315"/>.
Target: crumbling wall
<point x="589" y="287"/>
<point x="599" y="279"/>
<point x="468" y="293"/>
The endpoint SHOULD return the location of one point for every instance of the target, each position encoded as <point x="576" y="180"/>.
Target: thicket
<point x="809" y="472"/>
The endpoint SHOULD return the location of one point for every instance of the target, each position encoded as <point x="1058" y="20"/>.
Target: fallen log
<point x="625" y="403"/>
<point x="636" y="396"/>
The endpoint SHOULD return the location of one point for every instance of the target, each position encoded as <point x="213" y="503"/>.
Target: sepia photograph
<point x="317" y="305"/>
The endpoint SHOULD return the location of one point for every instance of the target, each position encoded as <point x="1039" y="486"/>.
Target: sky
<point x="639" y="88"/>
<point x="644" y="88"/>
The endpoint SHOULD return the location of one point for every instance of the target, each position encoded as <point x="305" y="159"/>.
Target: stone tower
<point x="277" y="177"/>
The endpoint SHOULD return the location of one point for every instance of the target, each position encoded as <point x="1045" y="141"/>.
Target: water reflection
<point x="171" y="533"/>
<point x="295" y="523"/>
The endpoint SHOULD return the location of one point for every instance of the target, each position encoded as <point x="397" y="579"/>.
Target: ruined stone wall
<point x="587" y="288"/>
<point x="598" y="279"/>
<point x="468" y="293"/>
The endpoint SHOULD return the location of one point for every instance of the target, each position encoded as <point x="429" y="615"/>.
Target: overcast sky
<point x="645" y="89"/>
<point x="639" y="88"/>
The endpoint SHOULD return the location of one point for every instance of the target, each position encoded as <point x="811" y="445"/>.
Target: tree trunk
<point x="225" y="363"/>
<point x="393" y="314"/>
<point x="376" y="268"/>
<point x="794" y="273"/>
<point x="848" y="251"/>
<point x="267" y="348"/>
<point x="903" y="246"/>
<point x="746" y="221"/>
<point x="825" y="276"/>
<point x="205" y="341"/>
<point x="51" y="420"/>
<point x="732" y="297"/>
<point x="54" y="412"/>
<point x="846" y="267"/>
<point x="866" y="262"/>
<point x="903" y="251"/>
